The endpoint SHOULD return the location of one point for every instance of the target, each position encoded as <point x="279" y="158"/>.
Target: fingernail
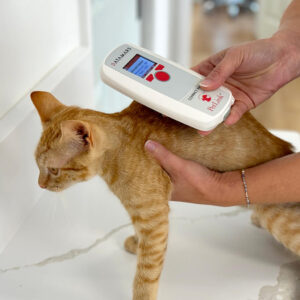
<point x="150" y="146"/>
<point x="201" y="133"/>
<point x="204" y="133"/>
<point x="206" y="82"/>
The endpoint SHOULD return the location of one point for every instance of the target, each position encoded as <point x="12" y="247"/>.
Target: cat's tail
<point x="282" y="221"/>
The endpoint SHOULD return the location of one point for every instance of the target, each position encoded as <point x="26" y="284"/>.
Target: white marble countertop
<point x="72" y="248"/>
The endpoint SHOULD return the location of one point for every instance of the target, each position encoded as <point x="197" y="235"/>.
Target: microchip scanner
<point x="165" y="87"/>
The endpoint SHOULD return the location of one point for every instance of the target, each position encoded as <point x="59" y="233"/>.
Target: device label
<point x="194" y="93"/>
<point x="210" y="102"/>
<point x="117" y="59"/>
<point x="215" y="102"/>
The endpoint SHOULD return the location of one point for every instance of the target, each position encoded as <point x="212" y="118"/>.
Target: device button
<point x="150" y="77"/>
<point x="159" y="67"/>
<point x="162" y="76"/>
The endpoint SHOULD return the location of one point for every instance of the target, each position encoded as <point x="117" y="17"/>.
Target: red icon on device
<point x="206" y="98"/>
<point x="159" y="67"/>
<point x="160" y="75"/>
<point x="150" y="77"/>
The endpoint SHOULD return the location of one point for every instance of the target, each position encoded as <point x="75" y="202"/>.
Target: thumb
<point x="170" y="162"/>
<point x="224" y="69"/>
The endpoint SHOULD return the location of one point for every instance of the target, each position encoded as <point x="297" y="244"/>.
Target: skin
<point x="253" y="72"/>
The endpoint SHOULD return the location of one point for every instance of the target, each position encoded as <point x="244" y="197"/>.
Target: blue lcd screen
<point x="139" y="66"/>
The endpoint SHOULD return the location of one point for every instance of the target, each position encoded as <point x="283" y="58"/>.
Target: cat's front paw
<point x="131" y="244"/>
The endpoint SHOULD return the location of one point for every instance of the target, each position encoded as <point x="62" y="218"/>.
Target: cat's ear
<point x="76" y="138"/>
<point x="77" y="132"/>
<point x="46" y="104"/>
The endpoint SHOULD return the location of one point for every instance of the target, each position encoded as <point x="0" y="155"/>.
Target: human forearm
<point x="277" y="181"/>
<point x="287" y="41"/>
<point x="288" y="33"/>
<point x="291" y="17"/>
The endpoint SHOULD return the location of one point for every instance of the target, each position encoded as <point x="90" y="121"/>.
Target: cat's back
<point x="245" y="144"/>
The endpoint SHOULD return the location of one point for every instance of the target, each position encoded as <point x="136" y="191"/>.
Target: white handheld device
<point x="166" y="87"/>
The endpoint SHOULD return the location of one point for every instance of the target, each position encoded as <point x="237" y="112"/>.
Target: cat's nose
<point x="42" y="185"/>
<point x="42" y="181"/>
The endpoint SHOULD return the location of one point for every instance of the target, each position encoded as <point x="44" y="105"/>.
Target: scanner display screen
<point x="139" y="66"/>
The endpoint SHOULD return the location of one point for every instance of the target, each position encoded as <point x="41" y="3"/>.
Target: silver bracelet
<point x="245" y="187"/>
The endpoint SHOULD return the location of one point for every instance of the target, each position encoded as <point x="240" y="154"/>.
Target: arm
<point x="276" y="181"/>
<point x="254" y="71"/>
<point x="290" y="19"/>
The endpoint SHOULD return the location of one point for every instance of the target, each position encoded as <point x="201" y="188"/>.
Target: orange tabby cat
<point x="77" y="144"/>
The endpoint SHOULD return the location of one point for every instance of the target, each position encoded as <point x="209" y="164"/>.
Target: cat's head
<point x="66" y="153"/>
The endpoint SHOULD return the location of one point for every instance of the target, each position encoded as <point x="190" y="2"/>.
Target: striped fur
<point x="282" y="221"/>
<point x="77" y="144"/>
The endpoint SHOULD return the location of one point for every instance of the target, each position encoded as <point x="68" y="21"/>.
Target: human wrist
<point x="287" y="42"/>
<point x="288" y="37"/>
<point x="232" y="192"/>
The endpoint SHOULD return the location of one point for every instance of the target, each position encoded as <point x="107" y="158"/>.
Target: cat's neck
<point x="122" y="126"/>
<point x="121" y="133"/>
<point x="105" y="126"/>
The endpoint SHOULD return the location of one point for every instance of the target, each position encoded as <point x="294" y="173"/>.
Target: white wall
<point x="44" y="45"/>
<point x="32" y="42"/>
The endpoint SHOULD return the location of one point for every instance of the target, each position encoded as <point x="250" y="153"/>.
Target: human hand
<point x="195" y="183"/>
<point x="253" y="71"/>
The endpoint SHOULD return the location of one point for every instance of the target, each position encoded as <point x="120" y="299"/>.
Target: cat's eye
<point x="53" y="171"/>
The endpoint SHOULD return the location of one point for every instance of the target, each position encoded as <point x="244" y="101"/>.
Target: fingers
<point x="218" y="68"/>
<point x="237" y="111"/>
<point x="206" y="66"/>
<point x="169" y="161"/>
<point x="220" y="73"/>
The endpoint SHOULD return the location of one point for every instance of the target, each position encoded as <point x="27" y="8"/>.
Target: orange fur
<point x="77" y="144"/>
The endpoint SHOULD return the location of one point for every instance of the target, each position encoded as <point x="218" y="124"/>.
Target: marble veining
<point x="70" y="254"/>
<point x="73" y="253"/>
<point x="208" y="247"/>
